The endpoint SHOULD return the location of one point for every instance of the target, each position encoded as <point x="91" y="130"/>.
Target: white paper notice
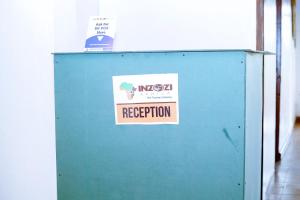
<point x="146" y="99"/>
<point x="101" y="33"/>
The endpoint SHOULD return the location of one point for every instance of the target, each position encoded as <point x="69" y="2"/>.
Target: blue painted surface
<point x="99" y="41"/>
<point x="201" y="158"/>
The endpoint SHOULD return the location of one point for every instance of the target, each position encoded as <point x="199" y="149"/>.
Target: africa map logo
<point x="129" y="89"/>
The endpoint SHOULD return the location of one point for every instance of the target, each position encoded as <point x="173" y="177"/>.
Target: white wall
<point x="176" y="24"/>
<point x="288" y="79"/>
<point x="270" y="91"/>
<point x="27" y="132"/>
<point x="298" y="60"/>
<point x="27" y="149"/>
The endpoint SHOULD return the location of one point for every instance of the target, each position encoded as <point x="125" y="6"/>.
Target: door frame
<point x="260" y="47"/>
<point x="278" y="75"/>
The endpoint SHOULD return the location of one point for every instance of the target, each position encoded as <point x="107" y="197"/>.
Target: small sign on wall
<point x="146" y="99"/>
<point x="101" y="33"/>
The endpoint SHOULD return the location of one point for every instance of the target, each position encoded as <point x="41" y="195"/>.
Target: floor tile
<point x="285" y="184"/>
<point x="290" y="197"/>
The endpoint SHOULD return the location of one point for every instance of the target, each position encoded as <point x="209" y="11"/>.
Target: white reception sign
<point x="146" y="99"/>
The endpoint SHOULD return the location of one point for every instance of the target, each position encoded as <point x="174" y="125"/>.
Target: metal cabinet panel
<point x="201" y="158"/>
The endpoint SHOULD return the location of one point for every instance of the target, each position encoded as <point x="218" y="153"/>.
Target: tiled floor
<point x="285" y="184"/>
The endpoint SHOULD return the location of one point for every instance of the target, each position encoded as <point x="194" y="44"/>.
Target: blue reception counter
<point x="187" y="127"/>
